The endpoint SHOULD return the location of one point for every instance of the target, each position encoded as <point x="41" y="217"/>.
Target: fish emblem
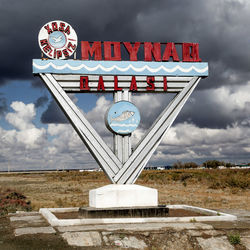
<point x="124" y="116"/>
<point x="57" y="39"/>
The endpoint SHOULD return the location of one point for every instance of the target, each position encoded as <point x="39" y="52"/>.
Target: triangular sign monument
<point x="101" y="69"/>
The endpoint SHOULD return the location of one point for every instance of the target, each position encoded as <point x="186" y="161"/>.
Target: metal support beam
<point x="144" y="150"/>
<point x="122" y="144"/>
<point x="120" y="166"/>
<point x="97" y="147"/>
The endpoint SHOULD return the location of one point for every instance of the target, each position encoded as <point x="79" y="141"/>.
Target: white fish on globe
<point x="124" y="116"/>
<point x="57" y="39"/>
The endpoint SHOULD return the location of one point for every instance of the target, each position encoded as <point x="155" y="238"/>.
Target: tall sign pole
<point x="106" y="72"/>
<point x="122" y="143"/>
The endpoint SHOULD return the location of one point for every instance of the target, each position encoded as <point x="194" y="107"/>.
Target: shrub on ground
<point x="11" y="201"/>
<point x="234" y="239"/>
<point x="213" y="178"/>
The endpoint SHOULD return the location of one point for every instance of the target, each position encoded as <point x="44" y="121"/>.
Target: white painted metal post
<point x="138" y="170"/>
<point x="144" y="150"/>
<point x="97" y="147"/>
<point x="122" y="144"/>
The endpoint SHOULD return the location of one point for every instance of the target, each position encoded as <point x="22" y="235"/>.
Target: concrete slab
<point x="28" y="221"/>
<point x="26" y="218"/>
<point x="23" y="213"/>
<point x="246" y="242"/>
<point x="199" y="233"/>
<point x="105" y="239"/>
<point x="114" y="195"/>
<point x="240" y="213"/>
<point x="34" y="230"/>
<point x="227" y="225"/>
<point x="138" y="227"/>
<point x="178" y="241"/>
<point x="125" y="242"/>
<point x="215" y="243"/>
<point x="83" y="239"/>
<point x="24" y="224"/>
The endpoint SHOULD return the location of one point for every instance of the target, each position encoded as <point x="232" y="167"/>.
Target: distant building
<point x="221" y="167"/>
<point x="157" y="167"/>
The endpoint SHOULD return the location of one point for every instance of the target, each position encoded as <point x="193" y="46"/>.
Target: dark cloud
<point x="217" y="108"/>
<point x="53" y="114"/>
<point x="220" y="27"/>
<point x="151" y="106"/>
<point x="41" y="101"/>
<point x="212" y="110"/>
<point x="3" y="105"/>
<point x="92" y="20"/>
<point x="37" y="83"/>
<point x="216" y="25"/>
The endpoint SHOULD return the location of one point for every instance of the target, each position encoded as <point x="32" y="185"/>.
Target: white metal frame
<point x="122" y="144"/>
<point x="146" y="147"/>
<point x="121" y="166"/>
<point x="97" y="147"/>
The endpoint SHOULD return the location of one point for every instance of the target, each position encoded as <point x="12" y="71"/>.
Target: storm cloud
<point x="41" y="101"/>
<point x="53" y="114"/>
<point x="214" y="123"/>
<point x="216" y="25"/>
<point x="3" y="105"/>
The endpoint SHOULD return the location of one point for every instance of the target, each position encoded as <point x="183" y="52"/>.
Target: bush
<point x="229" y="178"/>
<point x="190" y="165"/>
<point x="214" y="178"/>
<point x="234" y="238"/>
<point x="186" y="165"/>
<point x="213" y="164"/>
<point x="11" y="201"/>
<point x="178" y="165"/>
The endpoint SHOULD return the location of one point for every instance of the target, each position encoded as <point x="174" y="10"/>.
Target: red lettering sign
<point x="132" y="50"/>
<point x="100" y="84"/>
<point x="104" y="84"/>
<point x="165" y="86"/>
<point x="57" y="40"/>
<point x="152" y="51"/>
<point x="84" y="83"/>
<point x="190" y="52"/>
<point x="170" y="51"/>
<point x="150" y="82"/>
<point x="95" y="49"/>
<point x="133" y="85"/>
<point x="110" y="47"/>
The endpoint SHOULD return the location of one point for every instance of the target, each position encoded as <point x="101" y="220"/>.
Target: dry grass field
<point x="226" y="188"/>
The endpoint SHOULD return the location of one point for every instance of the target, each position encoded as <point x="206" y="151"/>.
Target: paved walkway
<point x="32" y="226"/>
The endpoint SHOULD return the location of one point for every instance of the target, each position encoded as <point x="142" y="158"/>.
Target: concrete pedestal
<point x="115" y="195"/>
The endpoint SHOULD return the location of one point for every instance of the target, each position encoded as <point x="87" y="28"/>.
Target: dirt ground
<point x="171" y="236"/>
<point x="70" y="189"/>
<point x="215" y="190"/>
<point x="40" y="241"/>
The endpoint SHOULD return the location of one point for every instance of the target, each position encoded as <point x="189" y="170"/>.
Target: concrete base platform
<point x="114" y="196"/>
<point x="160" y="235"/>
<point x="211" y="215"/>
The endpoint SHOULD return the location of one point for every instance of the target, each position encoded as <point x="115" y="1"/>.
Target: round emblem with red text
<point x="57" y="40"/>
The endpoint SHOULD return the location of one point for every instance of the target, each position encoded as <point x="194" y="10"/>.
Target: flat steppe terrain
<point x="208" y="188"/>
